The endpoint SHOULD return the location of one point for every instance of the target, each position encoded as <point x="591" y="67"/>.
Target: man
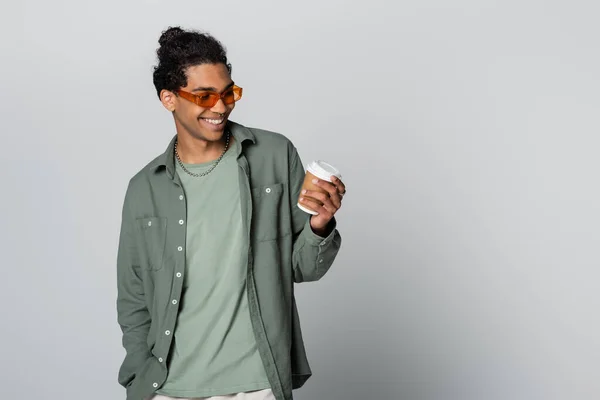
<point x="212" y="243"/>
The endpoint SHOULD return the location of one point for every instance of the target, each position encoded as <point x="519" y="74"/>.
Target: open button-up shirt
<point x="282" y="250"/>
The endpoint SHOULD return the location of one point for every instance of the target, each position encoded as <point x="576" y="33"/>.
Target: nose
<point x="220" y="107"/>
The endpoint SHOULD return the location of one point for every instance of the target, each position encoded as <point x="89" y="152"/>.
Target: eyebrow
<point x="212" y="89"/>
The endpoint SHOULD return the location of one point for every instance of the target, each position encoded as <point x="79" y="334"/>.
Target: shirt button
<point x="149" y="223"/>
<point x="155" y="384"/>
<point x="321" y="260"/>
<point x="178" y="274"/>
<point x="180" y="248"/>
<point x="268" y="190"/>
<point x="174" y="302"/>
<point x="167" y="333"/>
<point x="180" y="197"/>
<point x="160" y="359"/>
<point x="180" y="222"/>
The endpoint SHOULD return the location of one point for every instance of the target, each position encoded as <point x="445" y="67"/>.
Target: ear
<point x="168" y="99"/>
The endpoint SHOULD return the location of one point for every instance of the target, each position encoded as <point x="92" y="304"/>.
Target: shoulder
<point x="157" y="165"/>
<point x="147" y="177"/>
<point x="269" y="137"/>
<point x="148" y="170"/>
<point x="268" y="141"/>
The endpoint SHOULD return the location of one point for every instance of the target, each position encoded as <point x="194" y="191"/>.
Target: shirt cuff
<point x="316" y="240"/>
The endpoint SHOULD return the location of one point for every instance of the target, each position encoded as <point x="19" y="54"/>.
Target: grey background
<point x="466" y="132"/>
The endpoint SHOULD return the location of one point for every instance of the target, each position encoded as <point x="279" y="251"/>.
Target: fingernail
<point x="304" y="191"/>
<point x="315" y="181"/>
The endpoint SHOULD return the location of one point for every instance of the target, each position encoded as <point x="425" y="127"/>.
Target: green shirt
<point x="214" y="350"/>
<point x="281" y="250"/>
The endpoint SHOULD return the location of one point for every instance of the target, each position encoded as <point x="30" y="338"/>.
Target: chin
<point x="210" y="136"/>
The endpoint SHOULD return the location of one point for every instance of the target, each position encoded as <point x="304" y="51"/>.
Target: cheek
<point x="188" y="117"/>
<point x="183" y="111"/>
<point x="193" y="113"/>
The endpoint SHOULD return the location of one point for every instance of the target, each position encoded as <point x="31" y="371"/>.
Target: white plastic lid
<point x="323" y="170"/>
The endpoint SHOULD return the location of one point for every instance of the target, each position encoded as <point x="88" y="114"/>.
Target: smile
<point x="214" y="121"/>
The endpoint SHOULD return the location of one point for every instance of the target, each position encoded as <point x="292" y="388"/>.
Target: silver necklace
<point x="211" y="168"/>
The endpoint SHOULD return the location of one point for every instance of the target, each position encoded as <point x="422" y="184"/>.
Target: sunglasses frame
<point x="195" y="98"/>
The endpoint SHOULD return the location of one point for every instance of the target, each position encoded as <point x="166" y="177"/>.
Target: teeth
<point x="213" y="121"/>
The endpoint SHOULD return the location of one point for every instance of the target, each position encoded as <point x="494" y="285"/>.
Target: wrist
<point x="322" y="231"/>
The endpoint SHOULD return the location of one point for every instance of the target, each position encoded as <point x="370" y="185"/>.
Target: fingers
<point x="331" y="202"/>
<point x="328" y="203"/>
<point x="331" y="189"/>
<point x="341" y="188"/>
<point x="326" y="209"/>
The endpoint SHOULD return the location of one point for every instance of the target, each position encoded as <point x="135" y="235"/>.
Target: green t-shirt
<point x="214" y="349"/>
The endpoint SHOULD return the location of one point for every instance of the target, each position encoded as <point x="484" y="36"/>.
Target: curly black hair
<point x="180" y="49"/>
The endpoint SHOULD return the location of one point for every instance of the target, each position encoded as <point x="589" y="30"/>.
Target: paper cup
<point x="321" y="170"/>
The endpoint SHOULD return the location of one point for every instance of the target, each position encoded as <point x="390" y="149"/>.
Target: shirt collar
<point x="167" y="159"/>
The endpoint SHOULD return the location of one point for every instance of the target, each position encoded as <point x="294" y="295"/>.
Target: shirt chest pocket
<point x="152" y="239"/>
<point x="270" y="212"/>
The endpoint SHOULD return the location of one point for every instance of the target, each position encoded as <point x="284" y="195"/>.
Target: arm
<point x="133" y="316"/>
<point x="313" y="254"/>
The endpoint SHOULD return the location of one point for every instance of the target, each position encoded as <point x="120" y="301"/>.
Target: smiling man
<point x="212" y="243"/>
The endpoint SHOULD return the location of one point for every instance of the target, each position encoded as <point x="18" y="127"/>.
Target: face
<point x="206" y="124"/>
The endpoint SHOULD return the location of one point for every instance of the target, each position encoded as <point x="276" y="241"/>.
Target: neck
<point x="194" y="151"/>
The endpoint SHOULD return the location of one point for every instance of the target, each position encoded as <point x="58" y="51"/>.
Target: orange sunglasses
<point x="208" y="99"/>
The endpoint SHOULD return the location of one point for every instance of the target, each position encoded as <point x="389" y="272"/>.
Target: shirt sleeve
<point x="312" y="255"/>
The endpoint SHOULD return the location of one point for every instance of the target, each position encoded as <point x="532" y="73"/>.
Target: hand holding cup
<point x="321" y="194"/>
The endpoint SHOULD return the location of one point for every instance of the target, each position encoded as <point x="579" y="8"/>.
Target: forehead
<point x="207" y="75"/>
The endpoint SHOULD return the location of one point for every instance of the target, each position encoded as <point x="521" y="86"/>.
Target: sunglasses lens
<point x="229" y="97"/>
<point x="207" y="99"/>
